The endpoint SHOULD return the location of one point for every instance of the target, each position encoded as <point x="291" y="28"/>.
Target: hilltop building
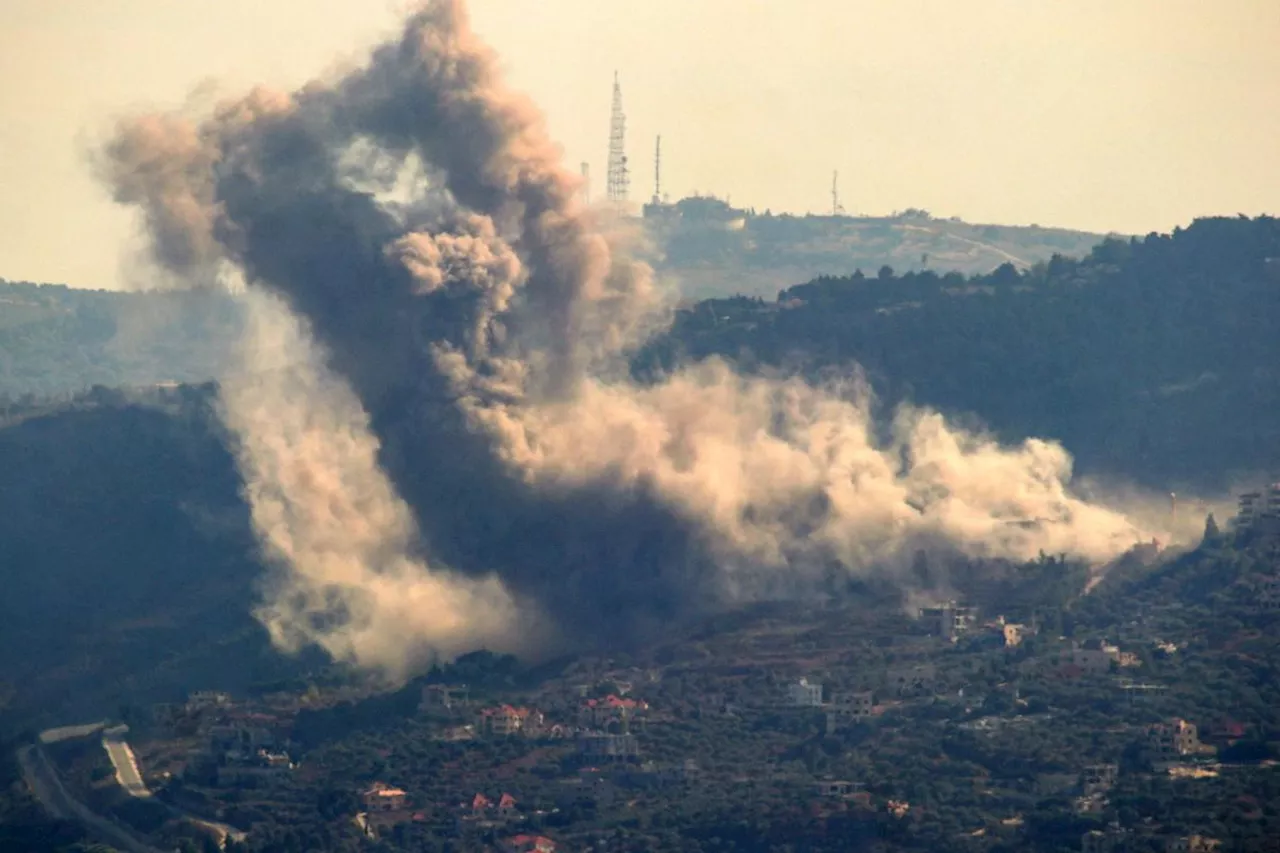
<point x="700" y="212"/>
<point x="1259" y="510"/>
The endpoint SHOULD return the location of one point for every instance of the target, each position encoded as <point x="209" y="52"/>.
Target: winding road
<point x="45" y="785"/>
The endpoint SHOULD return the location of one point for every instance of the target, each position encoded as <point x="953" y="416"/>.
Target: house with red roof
<point x="506" y="720"/>
<point x="612" y="710"/>
<point x="381" y="797"/>
<point x="529" y="844"/>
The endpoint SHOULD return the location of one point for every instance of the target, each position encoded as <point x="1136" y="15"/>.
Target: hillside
<point x="56" y="340"/>
<point x="712" y="250"/>
<point x="1153" y="359"/>
<point x="125" y="547"/>
<point x="126" y="557"/>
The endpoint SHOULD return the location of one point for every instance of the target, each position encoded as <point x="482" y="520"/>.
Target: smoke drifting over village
<point x="438" y="436"/>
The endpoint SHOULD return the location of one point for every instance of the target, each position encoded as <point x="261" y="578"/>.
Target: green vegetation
<point x="129" y="574"/>
<point x="1153" y="360"/>
<point x="986" y="758"/>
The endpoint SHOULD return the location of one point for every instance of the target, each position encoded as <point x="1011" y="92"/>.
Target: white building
<point x="805" y="694"/>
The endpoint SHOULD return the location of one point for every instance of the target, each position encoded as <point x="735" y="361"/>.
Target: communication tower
<point x="657" y="172"/>
<point x="836" y="208"/>
<point x="619" y="176"/>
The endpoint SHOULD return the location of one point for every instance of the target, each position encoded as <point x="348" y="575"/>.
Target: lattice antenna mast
<point x="619" y="177"/>
<point x="657" y="172"/>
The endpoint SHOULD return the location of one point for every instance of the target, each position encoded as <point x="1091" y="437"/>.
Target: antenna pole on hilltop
<point x="619" y="177"/>
<point x="657" y="172"/>
<point x="836" y="209"/>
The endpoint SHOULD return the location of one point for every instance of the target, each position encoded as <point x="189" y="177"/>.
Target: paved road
<point x="44" y="783"/>
<point x="69" y="732"/>
<point x="130" y="778"/>
<point x="123" y="761"/>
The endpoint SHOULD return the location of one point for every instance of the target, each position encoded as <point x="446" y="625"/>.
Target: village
<point x="848" y="714"/>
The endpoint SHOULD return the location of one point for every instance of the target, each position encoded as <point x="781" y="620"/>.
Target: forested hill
<point x="56" y="340"/>
<point x="1156" y="359"/>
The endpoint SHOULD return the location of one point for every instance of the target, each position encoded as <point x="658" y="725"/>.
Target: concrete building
<point x="847" y="708"/>
<point x="600" y="746"/>
<point x="1192" y="844"/>
<point x="805" y="694"/>
<point x="835" y="788"/>
<point x="443" y="697"/>
<point x="1169" y="743"/>
<point x="612" y="712"/>
<point x="1093" y="657"/>
<point x="1098" y="778"/>
<point x="949" y="620"/>
<point x="1258" y="508"/>
<point x="505" y="721"/>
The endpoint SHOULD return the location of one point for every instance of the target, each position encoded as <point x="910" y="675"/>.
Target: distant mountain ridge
<point x="56" y="340"/>
<point x="714" y="250"/>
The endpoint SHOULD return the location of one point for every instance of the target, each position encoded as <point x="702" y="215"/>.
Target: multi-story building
<point x="1258" y="507"/>
<point x="443" y="697"/>
<point x="1169" y="743"/>
<point x="949" y="620"/>
<point x="599" y="746"/>
<point x="612" y="712"/>
<point x="1098" y="778"/>
<point x="506" y="720"/>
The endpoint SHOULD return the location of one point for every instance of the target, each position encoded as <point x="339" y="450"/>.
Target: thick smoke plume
<point x="478" y="325"/>
<point x="324" y="511"/>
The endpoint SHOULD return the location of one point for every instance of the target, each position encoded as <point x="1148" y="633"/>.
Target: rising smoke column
<point x="325" y="512"/>
<point x="480" y="329"/>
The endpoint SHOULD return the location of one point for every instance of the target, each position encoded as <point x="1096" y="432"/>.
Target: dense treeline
<point x="1156" y="359"/>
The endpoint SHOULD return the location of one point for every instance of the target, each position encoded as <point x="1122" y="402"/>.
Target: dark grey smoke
<point x="480" y="321"/>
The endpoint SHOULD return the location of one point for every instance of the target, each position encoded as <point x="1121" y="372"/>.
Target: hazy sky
<point x="1127" y="115"/>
